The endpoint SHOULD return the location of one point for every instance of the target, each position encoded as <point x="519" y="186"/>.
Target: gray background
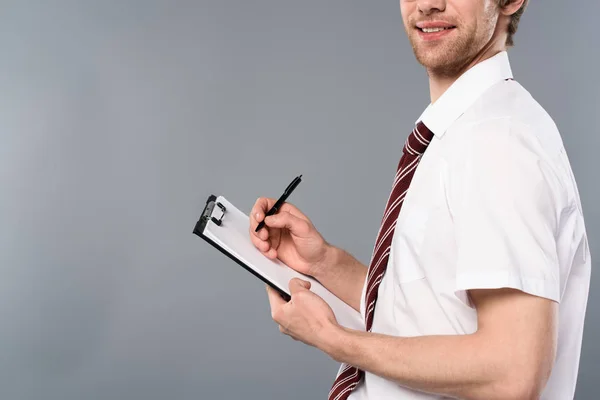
<point x="119" y="118"/>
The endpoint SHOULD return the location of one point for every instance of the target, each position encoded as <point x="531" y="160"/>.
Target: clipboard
<point x="227" y="229"/>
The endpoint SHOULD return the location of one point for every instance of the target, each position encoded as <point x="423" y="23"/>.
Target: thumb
<point x="298" y="285"/>
<point x="284" y="219"/>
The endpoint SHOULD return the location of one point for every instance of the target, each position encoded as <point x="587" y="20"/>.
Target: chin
<point x="438" y="59"/>
<point x="443" y="58"/>
<point x="432" y="59"/>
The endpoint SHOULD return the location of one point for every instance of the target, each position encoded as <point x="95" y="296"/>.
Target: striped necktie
<point x="414" y="147"/>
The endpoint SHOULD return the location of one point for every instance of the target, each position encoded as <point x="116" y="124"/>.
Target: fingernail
<point x="257" y="215"/>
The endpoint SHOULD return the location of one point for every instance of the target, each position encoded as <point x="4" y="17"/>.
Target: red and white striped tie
<point x="414" y="147"/>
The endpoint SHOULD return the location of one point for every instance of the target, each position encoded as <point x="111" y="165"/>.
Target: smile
<point x="433" y="30"/>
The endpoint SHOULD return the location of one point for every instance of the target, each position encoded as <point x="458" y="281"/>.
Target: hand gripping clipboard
<point x="227" y="229"/>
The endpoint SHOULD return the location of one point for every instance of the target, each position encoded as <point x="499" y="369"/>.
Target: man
<point x="477" y="289"/>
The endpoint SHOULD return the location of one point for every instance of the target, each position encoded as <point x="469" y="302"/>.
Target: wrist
<point x="327" y="263"/>
<point x="335" y="342"/>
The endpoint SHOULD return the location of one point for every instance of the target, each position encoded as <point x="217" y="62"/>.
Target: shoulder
<point x="507" y="116"/>
<point x="507" y="140"/>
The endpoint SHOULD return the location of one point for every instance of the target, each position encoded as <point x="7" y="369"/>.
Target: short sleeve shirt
<point x="493" y="204"/>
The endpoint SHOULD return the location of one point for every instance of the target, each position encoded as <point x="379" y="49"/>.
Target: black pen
<point x="281" y="200"/>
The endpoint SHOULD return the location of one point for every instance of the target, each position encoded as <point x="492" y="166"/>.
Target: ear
<point x="511" y="7"/>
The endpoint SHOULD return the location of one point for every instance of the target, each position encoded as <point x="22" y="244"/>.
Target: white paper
<point x="233" y="236"/>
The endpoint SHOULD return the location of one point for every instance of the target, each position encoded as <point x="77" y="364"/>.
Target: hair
<point x="514" y="19"/>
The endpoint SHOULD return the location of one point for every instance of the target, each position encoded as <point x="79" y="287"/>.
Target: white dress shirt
<point x="493" y="204"/>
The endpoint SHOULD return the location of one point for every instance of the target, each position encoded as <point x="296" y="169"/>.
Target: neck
<point x="440" y="81"/>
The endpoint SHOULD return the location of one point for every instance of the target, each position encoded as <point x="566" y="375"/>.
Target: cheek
<point x="407" y="8"/>
<point x="487" y="15"/>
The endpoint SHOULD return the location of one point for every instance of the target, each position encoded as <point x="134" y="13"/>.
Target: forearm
<point x="343" y="275"/>
<point x="465" y="366"/>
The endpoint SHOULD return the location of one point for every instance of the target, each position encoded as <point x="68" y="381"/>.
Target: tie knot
<point x="418" y="140"/>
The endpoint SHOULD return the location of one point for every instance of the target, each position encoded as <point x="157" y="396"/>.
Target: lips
<point x="434" y="26"/>
<point x="434" y="30"/>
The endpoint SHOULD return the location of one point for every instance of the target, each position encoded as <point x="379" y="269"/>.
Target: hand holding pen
<point x="288" y="235"/>
<point x="281" y="200"/>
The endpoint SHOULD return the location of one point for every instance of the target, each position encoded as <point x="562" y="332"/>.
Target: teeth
<point x="431" y="30"/>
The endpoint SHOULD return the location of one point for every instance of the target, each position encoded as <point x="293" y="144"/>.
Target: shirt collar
<point x="464" y="92"/>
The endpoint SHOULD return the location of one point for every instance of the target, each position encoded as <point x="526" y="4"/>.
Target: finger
<point x="261" y="240"/>
<point x="298" y="285"/>
<point x="254" y="214"/>
<point x="263" y="233"/>
<point x="284" y="219"/>
<point x="263" y="245"/>
<point x="292" y="209"/>
<point x="260" y="208"/>
<point x="271" y="253"/>
<point x="264" y="204"/>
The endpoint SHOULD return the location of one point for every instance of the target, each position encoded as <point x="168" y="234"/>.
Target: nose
<point x="428" y="7"/>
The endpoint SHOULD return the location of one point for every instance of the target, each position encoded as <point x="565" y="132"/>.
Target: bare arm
<point x="343" y="275"/>
<point x="509" y="357"/>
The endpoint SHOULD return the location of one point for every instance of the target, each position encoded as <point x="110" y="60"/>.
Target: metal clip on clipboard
<point x="199" y="229"/>
<point x="207" y="214"/>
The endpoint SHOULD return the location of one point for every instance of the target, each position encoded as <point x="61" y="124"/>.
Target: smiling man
<point x="478" y="283"/>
